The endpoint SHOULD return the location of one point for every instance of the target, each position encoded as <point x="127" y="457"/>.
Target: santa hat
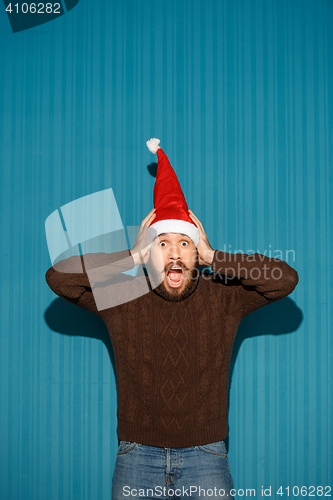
<point x="171" y="207"/>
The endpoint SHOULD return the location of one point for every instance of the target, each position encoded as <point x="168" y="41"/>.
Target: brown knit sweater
<point x="172" y="358"/>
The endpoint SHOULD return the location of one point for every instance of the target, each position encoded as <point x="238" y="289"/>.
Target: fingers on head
<point x="150" y="216"/>
<point x="192" y="215"/>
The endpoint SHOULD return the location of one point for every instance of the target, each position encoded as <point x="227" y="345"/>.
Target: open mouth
<point x="175" y="277"/>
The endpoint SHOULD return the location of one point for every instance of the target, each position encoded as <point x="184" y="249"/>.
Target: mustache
<point x="173" y="264"/>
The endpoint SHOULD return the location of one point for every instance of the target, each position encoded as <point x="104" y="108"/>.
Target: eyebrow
<point x="182" y="234"/>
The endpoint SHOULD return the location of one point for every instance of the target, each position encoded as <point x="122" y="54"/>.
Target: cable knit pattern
<point x="174" y="368"/>
<point x="172" y="358"/>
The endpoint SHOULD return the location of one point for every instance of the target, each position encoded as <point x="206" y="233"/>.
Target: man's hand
<point x="205" y="251"/>
<point x="140" y="250"/>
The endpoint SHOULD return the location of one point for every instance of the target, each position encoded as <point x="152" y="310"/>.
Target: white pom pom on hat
<point x="153" y="145"/>
<point x="171" y="207"/>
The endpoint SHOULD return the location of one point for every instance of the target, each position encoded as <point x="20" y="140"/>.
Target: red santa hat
<point x="171" y="207"/>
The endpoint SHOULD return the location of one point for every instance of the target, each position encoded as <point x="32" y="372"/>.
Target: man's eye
<point x="184" y="243"/>
<point x="162" y="243"/>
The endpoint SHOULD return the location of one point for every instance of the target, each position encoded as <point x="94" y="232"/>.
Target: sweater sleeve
<point x="263" y="280"/>
<point x="72" y="279"/>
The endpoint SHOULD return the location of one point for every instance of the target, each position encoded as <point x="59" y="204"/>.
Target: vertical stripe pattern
<point x="240" y="94"/>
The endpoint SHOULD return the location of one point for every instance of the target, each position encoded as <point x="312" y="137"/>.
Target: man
<point x="172" y="343"/>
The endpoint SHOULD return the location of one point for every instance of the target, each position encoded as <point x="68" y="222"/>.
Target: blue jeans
<point x="143" y="472"/>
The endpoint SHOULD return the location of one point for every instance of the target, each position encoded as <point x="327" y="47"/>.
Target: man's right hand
<point x="140" y="250"/>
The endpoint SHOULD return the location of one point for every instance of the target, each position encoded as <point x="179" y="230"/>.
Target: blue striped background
<point x="240" y="92"/>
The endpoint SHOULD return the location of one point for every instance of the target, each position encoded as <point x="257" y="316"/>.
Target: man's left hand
<point x="205" y="251"/>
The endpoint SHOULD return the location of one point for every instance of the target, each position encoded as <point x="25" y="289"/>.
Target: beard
<point x="175" y="295"/>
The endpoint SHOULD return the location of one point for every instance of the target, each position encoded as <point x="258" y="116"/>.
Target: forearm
<point x="272" y="278"/>
<point x="69" y="277"/>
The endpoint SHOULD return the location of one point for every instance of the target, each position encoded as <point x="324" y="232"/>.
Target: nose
<point x="174" y="253"/>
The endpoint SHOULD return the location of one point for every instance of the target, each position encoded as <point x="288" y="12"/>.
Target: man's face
<point x="174" y="265"/>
